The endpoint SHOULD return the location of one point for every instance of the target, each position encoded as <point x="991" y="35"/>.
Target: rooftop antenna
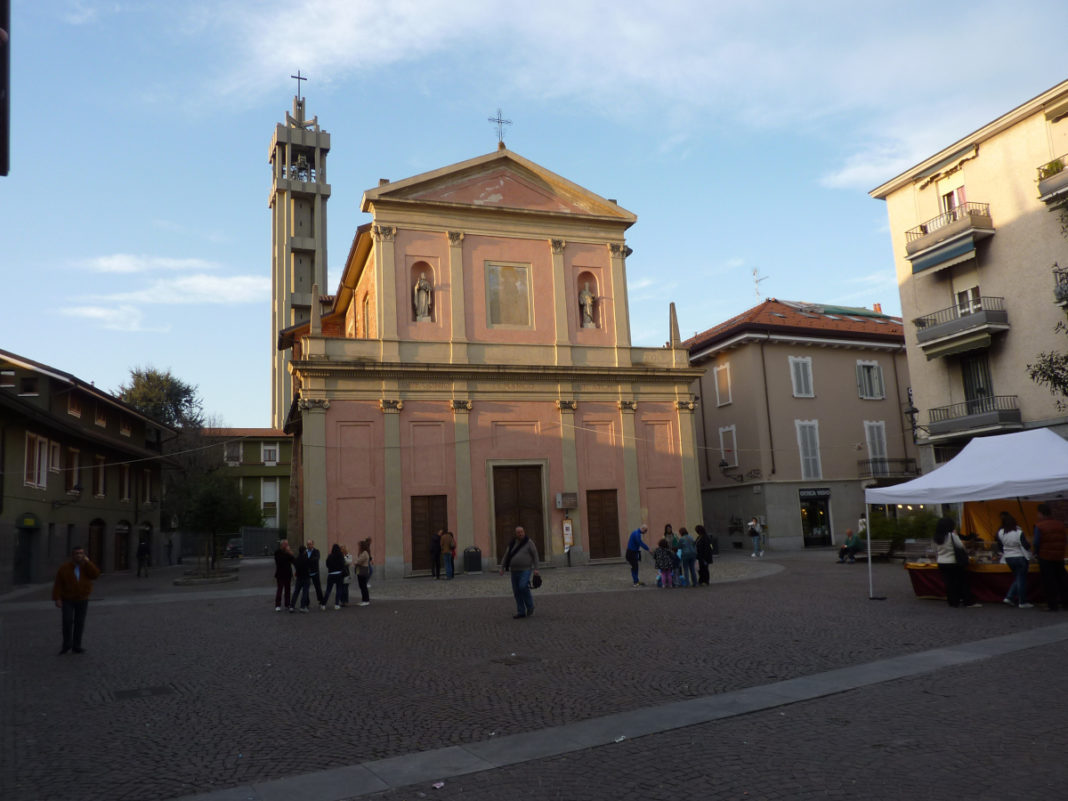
<point x="757" y="278"/>
<point x="500" y="122"/>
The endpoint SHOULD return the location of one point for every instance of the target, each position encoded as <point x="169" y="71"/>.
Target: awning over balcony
<point x="945" y="255"/>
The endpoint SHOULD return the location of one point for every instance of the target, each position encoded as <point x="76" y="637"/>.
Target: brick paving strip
<point x="441" y="764"/>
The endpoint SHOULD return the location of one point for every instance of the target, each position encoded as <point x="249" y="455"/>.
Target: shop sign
<point x="809" y="494"/>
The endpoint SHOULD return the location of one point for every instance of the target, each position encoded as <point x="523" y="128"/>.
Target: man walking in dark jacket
<point x="71" y="591"/>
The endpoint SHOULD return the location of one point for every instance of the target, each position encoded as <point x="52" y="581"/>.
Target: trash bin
<point x="472" y="560"/>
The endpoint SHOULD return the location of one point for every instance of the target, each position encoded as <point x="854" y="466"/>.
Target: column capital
<point x="567" y="405"/>
<point x="455" y="237"/>
<point x="686" y="406"/>
<point x="628" y="406"/>
<point x="386" y="233"/>
<point x="619" y="250"/>
<point x="557" y="245"/>
<point x="388" y="406"/>
<point x="313" y="404"/>
<point x="461" y="406"/>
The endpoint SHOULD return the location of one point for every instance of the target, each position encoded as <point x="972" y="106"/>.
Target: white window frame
<point x="266" y="449"/>
<point x="125" y="428"/>
<point x="74" y="469"/>
<point x="728" y="445"/>
<point x="811" y="465"/>
<point x="801" y="376"/>
<point x="269" y="508"/>
<point x="870" y="384"/>
<point x="875" y="437"/>
<point x="716" y="371"/>
<point x="228" y="452"/>
<point x="35" y="466"/>
<point x="7" y="379"/>
<point x="55" y="456"/>
<point x="74" y="405"/>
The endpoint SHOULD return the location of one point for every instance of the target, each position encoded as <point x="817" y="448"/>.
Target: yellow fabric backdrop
<point x="984" y="517"/>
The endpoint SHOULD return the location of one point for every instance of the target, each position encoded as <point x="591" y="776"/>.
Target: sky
<point x="745" y="134"/>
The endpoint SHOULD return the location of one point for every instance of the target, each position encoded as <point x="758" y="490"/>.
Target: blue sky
<point x="744" y="135"/>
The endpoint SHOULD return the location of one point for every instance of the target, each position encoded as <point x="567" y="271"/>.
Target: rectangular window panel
<point x="728" y="446"/>
<point x="54" y="458"/>
<point x="7" y="378"/>
<point x="875" y="434"/>
<point x="74" y="405"/>
<point x="269" y="453"/>
<point x="124" y="482"/>
<point x="74" y="470"/>
<point x="508" y="294"/>
<point x="232" y="453"/>
<point x="723" y="384"/>
<point x="36" y="464"/>
<point x="99" y="477"/>
<point x="801" y="376"/>
<point x="870" y="381"/>
<point x="808" y="443"/>
<point x="146" y="486"/>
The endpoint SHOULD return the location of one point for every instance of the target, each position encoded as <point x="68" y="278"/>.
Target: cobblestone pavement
<point x="186" y="690"/>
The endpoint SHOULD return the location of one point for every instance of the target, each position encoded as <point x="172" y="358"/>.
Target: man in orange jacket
<point x="71" y="591"/>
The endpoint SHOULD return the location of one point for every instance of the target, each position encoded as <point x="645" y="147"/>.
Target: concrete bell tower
<point x="299" y="193"/>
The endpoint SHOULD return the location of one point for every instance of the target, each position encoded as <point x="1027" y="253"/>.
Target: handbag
<point x="535" y="582"/>
<point x="959" y="551"/>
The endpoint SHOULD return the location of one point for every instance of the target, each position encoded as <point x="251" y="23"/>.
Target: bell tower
<point x="299" y="193"/>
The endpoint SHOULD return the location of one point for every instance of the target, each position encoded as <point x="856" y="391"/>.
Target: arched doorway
<point x="122" y="545"/>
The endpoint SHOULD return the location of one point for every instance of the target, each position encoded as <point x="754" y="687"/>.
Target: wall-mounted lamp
<point x="724" y="467"/>
<point x="75" y="492"/>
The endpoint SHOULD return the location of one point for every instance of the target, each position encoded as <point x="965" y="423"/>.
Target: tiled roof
<point x="803" y="319"/>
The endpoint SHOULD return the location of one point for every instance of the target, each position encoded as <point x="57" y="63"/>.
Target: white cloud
<point x="194" y="289"/>
<point x="80" y="12"/>
<point x="129" y="263"/>
<point x="114" y="318"/>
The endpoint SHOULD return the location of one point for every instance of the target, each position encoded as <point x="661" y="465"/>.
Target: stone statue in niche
<point x="586" y="301"/>
<point x="423" y="299"/>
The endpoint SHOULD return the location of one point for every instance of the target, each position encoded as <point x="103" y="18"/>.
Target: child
<point x="662" y="558"/>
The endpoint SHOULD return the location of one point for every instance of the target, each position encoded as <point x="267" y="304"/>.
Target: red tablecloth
<point x="987" y="582"/>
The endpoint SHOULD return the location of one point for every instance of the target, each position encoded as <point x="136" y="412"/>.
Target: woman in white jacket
<point x="1015" y="549"/>
<point x="953" y="563"/>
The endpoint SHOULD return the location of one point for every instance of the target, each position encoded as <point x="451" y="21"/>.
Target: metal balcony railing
<point x="962" y="309"/>
<point x="1051" y="168"/>
<point x="984" y="405"/>
<point x="942" y="220"/>
<point x="871" y="468"/>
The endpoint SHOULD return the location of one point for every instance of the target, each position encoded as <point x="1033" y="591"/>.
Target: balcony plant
<point x="1050" y="169"/>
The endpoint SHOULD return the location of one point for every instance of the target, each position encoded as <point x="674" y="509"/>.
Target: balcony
<point x="990" y="413"/>
<point x="1060" y="286"/>
<point x="887" y="468"/>
<point x="1053" y="182"/>
<point x="970" y="325"/>
<point x="949" y="238"/>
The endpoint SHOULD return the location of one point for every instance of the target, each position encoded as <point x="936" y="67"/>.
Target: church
<point x="473" y="368"/>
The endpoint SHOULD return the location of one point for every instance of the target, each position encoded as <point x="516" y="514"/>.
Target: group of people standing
<point x="442" y="545"/>
<point x="1048" y="545"/>
<point x="304" y="565"/>
<point x="680" y="560"/>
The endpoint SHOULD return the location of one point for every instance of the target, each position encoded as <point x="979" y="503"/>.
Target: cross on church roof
<point x="501" y="122"/>
<point x="298" y="78"/>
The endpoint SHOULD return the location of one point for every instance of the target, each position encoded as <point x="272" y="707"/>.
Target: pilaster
<point x="561" y="293"/>
<point x="570" y="462"/>
<point x="386" y="300"/>
<point x="693" y="511"/>
<point x="620" y="306"/>
<point x="313" y="458"/>
<point x="465" y="515"/>
<point x="458" y="310"/>
<point x="394" y="523"/>
<point x="631" y="487"/>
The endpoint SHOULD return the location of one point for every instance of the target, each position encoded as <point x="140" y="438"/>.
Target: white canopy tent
<point x="1025" y="464"/>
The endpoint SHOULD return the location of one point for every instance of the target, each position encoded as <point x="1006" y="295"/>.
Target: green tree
<point x="163" y="397"/>
<point x="1050" y="369"/>
<point x="212" y="505"/>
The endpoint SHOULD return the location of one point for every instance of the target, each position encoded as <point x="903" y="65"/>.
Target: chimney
<point x="878" y="307"/>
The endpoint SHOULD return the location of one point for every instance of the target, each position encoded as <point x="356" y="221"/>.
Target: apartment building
<point x="979" y="231"/>
<point x="800" y="409"/>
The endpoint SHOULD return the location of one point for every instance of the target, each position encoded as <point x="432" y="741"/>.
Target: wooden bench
<point x="879" y="548"/>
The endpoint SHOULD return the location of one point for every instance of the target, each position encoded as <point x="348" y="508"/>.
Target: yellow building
<point x="979" y="232"/>
<point x="474" y="371"/>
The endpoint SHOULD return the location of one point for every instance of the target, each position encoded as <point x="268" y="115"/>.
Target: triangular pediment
<point x="500" y="180"/>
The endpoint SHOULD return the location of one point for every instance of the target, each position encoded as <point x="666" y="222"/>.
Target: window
<point x="74" y="405"/>
<point x="74" y="470"/>
<point x="969" y="301"/>
<point x="269" y="453"/>
<point x="801" y="376"/>
<point x="232" y="453"/>
<point x="508" y="294"/>
<point x="728" y="445"/>
<point x="7" y="378"/>
<point x="101" y="416"/>
<point x="100" y="488"/>
<point x="28" y="385"/>
<point x="269" y="501"/>
<point x="36" y="474"/>
<point x="723" y="384"/>
<point x="124" y="482"/>
<point x="875" y="434"/>
<point x="870" y="381"/>
<point x="146" y="486"/>
<point x="125" y="428"/>
<point x="54" y="457"/>
<point x="808" y="443"/>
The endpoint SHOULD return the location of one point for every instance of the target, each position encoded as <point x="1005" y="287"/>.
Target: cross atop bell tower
<point x="299" y="194"/>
